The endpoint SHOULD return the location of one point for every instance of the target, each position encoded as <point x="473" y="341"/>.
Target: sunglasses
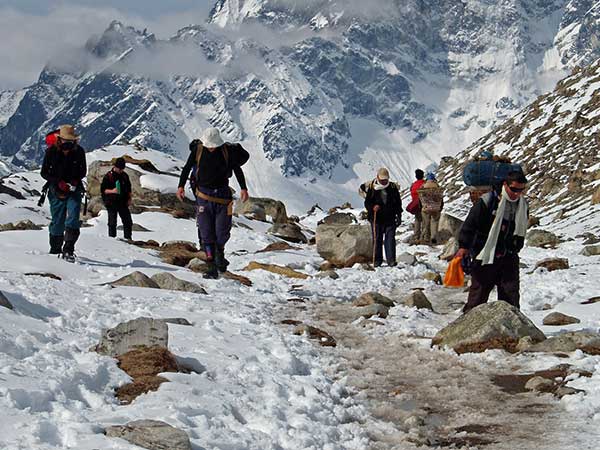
<point x="516" y="190"/>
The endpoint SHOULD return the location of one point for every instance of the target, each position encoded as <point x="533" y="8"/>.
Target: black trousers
<point x="384" y="235"/>
<point x="123" y="212"/>
<point x="503" y="273"/>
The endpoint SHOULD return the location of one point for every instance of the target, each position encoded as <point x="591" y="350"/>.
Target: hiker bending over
<point x="414" y="207"/>
<point x="384" y="208"/>
<point x="493" y="234"/>
<point x="116" y="195"/>
<point x="64" y="167"/>
<point x="431" y="200"/>
<point x="214" y="161"/>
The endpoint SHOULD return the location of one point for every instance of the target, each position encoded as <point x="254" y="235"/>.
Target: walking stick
<point x="374" y="235"/>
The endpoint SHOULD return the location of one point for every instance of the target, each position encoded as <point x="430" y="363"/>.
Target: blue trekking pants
<point x="65" y="212"/>
<point x="214" y="219"/>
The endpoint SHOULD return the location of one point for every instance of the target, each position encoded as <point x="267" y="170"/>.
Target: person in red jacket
<point x="415" y="205"/>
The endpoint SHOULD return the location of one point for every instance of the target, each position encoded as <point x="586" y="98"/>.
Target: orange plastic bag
<point x="455" y="276"/>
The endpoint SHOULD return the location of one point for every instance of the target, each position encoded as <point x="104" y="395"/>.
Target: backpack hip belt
<point x="220" y="201"/>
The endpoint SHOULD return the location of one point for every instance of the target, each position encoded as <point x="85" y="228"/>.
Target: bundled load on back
<point x="485" y="171"/>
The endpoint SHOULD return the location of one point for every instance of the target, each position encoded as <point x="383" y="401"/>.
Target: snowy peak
<point x="116" y="39"/>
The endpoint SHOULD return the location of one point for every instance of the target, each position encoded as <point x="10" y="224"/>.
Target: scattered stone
<point x="417" y="299"/>
<point x="591" y="301"/>
<point x="239" y="278"/>
<point x="297" y="300"/>
<point x="596" y="196"/>
<point x="338" y="218"/>
<point x="197" y="265"/>
<point x="591" y="250"/>
<point x="151" y="434"/>
<point x="367" y="267"/>
<point x="168" y="281"/>
<point x="586" y="341"/>
<point x="345" y="245"/>
<point x="136" y="279"/>
<point x="273" y="208"/>
<point x="407" y="258"/>
<point x="288" y="232"/>
<point x="434" y="277"/>
<point x="590" y="239"/>
<point x="566" y="390"/>
<point x="533" y="222"/>
<point x="552" y="264"/>
<point x="277" y="247"/>
<point x="44" y="275"/>
<point x="127" y="336"/>
<point x="178" y="321"/>
<point x="373" y="298"/>
<point x="449" y="225"/>
<point x="279" y="270"/>
<point x="291" y="322"/>
<point x="328" y="274"/>
<point x="324" y="338"/>
<point x="371" y="310"/>
<point x="557" y="319"/>
<point x="178" y="245"/>
<point x="488" y="326"/>
<point x="326" y="266"/>
<point x="151" y="243"/>
<point x="21" y="225"/>
<point x="547" y="307"/>
<point x="542" y="239"/>
<point x="449" y="249"/>
<point x="136" y="227"/>
<point x="540" y="384"/>
<point x="4" y="301"/>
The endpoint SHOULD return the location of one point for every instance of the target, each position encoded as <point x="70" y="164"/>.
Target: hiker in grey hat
<point x="214" y="162"/>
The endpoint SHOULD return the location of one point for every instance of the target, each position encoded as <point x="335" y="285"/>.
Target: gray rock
<point x="449" y="249"/>
<point x="135" y="227"/>
<point x="178" y="321"/>
<point x="151" y="434"/>
<point x="143" y="331"/>
<point x="539" y="384"/>
<point x="557" y="319"/>
<point x="552" y="264"/>
<point x="324" y="338"/>
<point x="290" y="232"/>
<point x="586" y="341"/>
<point x="566" y="390"/>
<point x="407" y="258"/>
<point x="197" y="265"/>
<point x="338" y="218"/>
<point x="136" y="279"/>
<point x="449" y="224"/>
<point x="591" y="250"/>
<point x="491" y="325"/>
<point x="20" y="226"/>
<point x="345" y="245"/>
<point x="417" y="299"/>
<point x="273" y="208"/>
<point x="168" y="281"/>
<point x="434" y="277"/>
<point x="4" y="301"/>
<point x="373" y="298"/>
<point x="255" y="212"/>
<point x="542" y="238"/>
<point x="370" y="311"/>
<point x="328" y="274"/>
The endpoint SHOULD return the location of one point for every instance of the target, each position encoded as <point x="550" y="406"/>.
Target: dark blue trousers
<point x="384" y="235"/>
<point x="214" y="219"/>
<point x="64" y="211"/>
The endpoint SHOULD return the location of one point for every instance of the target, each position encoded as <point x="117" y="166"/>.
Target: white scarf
<point x="489" y="250"/>
<point x="378" y="186"/>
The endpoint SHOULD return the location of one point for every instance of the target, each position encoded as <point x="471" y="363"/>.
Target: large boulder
<point x="338" y="218"/>
<point x="151" y="434"/>
<point x="127" y="336"/>
<point x="289" y="231"/>
<point x="448" y="227"/>
<point x="542" y="238"/>
<point x="168" y="281"/>
<point x="253" y="205"/>
<point x="345" y="245"/>
<point x="488" y="326"/>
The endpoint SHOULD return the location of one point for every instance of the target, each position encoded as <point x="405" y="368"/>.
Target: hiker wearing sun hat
<point x="214" y="162"/>
<point x="64" y="167"/>
<point x="384" y="211"/>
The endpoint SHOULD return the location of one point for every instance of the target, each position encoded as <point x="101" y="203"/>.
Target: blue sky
<point x="34" y="31"/>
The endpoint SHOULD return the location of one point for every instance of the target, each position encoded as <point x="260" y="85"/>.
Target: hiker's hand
<point x="244" y="195"/>
<point x="129" y="201"/>
<point x="461" y="252"/>
<point x="180" y="193"/>
<point x="111" y="191"/>
<point x="376" y="208"/>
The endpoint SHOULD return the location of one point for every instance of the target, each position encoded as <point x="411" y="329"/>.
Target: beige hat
<point x="383" y="174"/>
<point x="211" y="138"/>
<point x="67" y="133"/>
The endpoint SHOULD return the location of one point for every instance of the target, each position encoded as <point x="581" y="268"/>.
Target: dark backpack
<point x="239" y="157"/>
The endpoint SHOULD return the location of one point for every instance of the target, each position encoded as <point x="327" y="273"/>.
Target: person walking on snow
<point x="215" y="162"/>
<point x="384" y="209"/>
<point x="431" y="199"/>
<point x="414" y="207"/>
<point x="116" y="194"/>
<point x="494" y="233"/>
<point x="64" y="167"/>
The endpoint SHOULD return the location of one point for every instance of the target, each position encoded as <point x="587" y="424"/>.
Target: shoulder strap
<point x="225" y="150"/>
<point x="199" y="149"/>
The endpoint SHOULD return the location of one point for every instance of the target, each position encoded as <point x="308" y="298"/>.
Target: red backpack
<point x="51" y="138"/>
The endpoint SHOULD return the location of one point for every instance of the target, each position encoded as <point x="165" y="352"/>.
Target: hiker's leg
<point x="483" y="280"/>
<point x="508" y="285"/>
<point x="223" y="231"/>
<point x="73" y="211"/>
<point x="206" y="226"/>
<point x="435" y="222"/>
<point x="112" y="220"/>
<point x="71" y="236"/>
<point x="56" y="242"/>
<point x="125" y="215"/>
<point x="418" y="225"/>
<point x="58" y="211"/>
<point x="390" y="245"/>
<point x="426" y="232"/>
<point x="378" y="232"/>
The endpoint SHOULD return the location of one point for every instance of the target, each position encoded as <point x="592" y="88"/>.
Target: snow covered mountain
<point x="556" y="140"/>
<point x="321" y="92"/>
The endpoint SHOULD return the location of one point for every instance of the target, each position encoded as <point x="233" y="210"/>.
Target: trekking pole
<point x="374" y="235"/>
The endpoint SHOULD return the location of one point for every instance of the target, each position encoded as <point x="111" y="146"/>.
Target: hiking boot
<point x="56" y="243"/>
<point x="71" y="236"/>
<point x="212" y="273"/>
<point x="220" y="260"/>
<point x="377" y="264"/>
<point x="68" y="257"/>
<point x="392" y="264"/>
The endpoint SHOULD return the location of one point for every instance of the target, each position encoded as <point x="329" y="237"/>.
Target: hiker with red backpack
<point x="215" y="161"/>
<point x="64" y="167"/>
<point x="414" y="207"/>
<point x="116" y="195"/>
<point x="384" y="211"/>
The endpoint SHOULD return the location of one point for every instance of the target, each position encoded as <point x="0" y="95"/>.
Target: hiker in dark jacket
<point x="384" y="211"/>
<point x="64" y="167"/>
<point x="214" y="161"/>
<point x="492" y="235"/>
<point x="116" y="194"/>
<point x="414" y="207"/>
